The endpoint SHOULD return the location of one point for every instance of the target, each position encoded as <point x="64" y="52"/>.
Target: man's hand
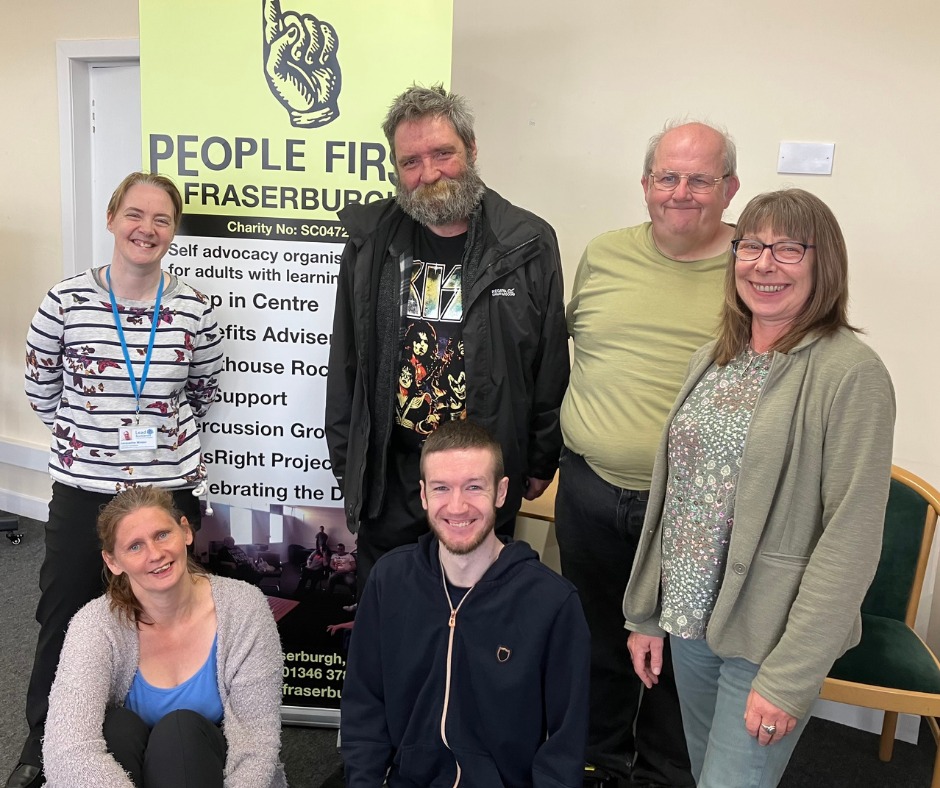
<point x="535" y="487"/>
<point x="647" y="655"/>
<point x="301" y="66"/>
<point x="760" y="712"/>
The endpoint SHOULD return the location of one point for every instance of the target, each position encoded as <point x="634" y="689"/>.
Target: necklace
<point x="751" y="355"/>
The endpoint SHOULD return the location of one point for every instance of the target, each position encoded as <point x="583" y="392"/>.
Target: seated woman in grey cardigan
<point x="172" y="677"/>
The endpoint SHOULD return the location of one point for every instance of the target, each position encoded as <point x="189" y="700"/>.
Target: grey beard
<point x="463" y="195"/>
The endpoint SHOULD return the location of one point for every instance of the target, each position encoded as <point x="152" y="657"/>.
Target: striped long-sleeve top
<point x="77" y="382"/>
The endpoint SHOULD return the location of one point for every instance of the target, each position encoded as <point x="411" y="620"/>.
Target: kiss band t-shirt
<point x="432" y="384"/>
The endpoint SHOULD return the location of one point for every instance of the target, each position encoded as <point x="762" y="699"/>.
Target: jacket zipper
<point x="452" y="626"/>
<point x="503" y="256"/>
<point x="515" y="249"/>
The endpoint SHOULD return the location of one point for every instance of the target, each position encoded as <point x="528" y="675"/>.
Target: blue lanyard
<point x="138" y="391"/>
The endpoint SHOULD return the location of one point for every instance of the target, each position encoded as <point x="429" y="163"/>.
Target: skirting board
<point x="24" y="505"/>
<point x="28" y="458"/>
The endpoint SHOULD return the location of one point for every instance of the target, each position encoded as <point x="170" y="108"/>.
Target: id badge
<point x="137" y="439"/>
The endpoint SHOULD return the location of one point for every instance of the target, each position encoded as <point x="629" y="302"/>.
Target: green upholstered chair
<point x="892" y="668"/>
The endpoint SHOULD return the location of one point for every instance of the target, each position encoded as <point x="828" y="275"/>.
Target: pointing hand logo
<point x="301" y="66"/>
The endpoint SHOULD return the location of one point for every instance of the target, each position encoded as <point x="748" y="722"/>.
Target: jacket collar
<point x="510" y="557"/>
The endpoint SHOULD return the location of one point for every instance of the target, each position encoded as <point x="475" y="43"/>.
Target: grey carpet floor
<point x="828" y="755"/>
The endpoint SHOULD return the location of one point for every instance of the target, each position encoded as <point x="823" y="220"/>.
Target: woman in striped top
<point x="121" y="361"/>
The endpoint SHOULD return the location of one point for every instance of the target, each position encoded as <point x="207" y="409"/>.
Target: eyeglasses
<point x="698" y="182"/>
<point x="786" y="252"/>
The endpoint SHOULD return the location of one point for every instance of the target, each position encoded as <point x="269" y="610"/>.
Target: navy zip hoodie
<point x="517" y="670"/>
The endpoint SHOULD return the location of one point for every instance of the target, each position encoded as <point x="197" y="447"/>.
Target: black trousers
<point x="402" y="520"/>
<point x="598" y="527"/>
<point x="184" y="749"/>
<point x="70" y="577"/>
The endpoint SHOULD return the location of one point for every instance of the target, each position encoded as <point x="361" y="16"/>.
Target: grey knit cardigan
<point x="98" y="663"/>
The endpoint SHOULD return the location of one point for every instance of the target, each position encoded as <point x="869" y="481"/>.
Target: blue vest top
<point x="199" y="693"/>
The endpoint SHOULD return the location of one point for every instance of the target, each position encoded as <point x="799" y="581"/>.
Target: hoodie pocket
<point x="434" y="767"/>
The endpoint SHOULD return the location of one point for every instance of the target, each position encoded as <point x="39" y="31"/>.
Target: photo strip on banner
<point x="267" y="115"/>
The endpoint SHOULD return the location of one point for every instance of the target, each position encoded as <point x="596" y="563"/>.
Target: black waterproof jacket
<point x="498" y="689"/>
<point x="514" y="334"/>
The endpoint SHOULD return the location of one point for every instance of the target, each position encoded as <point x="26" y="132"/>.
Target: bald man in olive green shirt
<point x="644" y="299"/>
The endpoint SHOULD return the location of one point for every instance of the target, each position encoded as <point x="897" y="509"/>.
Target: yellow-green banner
<point x="267" y="114"/>
<point x="261" y="107"/>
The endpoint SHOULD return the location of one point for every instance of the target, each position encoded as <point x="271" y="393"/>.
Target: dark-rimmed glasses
<point x="698" y="182"/>
<point x="786" y="252"/>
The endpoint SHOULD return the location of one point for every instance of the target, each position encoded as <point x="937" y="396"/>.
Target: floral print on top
<point x="78" y="383"/>
<point x="706" y="441"/>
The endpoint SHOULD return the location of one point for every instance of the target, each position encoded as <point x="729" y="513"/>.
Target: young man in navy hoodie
<point x="469" y="659"/>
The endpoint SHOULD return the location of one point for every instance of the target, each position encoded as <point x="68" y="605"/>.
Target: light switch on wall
<point x="808" y="158"/>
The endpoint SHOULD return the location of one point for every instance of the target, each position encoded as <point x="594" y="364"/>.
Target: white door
<point x="116" y="143"/>
<point x="100" y="140"/>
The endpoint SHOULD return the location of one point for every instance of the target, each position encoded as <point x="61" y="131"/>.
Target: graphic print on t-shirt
<point x="432" y="386"/>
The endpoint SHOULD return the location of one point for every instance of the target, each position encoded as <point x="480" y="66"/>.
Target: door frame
<point x="74" y="62"/>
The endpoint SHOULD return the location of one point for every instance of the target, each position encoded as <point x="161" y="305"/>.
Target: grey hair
<point x="420" y="102"/>
<point x="729" y="152"/>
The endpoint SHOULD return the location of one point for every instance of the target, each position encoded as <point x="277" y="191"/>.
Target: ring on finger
<point x="770" y="730"/>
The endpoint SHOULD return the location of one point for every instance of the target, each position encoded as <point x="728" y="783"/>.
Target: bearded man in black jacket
<point x="456" y="283"/>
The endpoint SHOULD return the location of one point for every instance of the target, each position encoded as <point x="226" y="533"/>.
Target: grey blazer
<point x="808" y="519"/>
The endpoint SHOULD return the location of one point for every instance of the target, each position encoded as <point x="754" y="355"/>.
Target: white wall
<point x="566" y="103"/>
<point x="566" y="96"/>
<point x="30" y="220"/>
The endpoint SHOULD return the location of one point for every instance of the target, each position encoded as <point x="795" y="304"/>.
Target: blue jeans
<point x="713" y="693"/>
